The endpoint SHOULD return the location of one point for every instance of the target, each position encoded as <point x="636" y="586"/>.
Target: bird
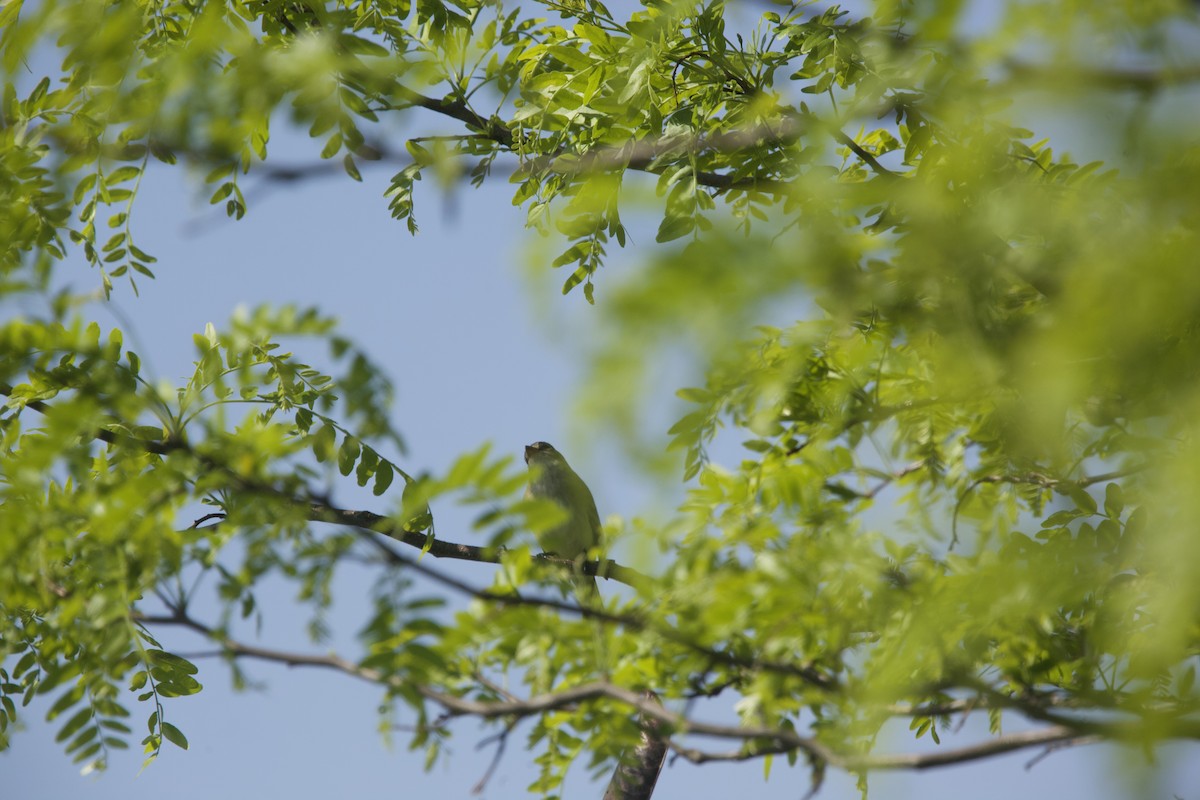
<point x="551" y="478"/>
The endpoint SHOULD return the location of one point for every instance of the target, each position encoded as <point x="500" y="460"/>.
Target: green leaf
<point x="690" y="422"/>
<point x="221" y="193"/>
<point x="332" y="145"/>
<point x="77" y="721"/>
<point x="1114" y="501"/>
<point x="570" y="56"/>
<point x="383" y="478"/>
<point x="24" y="663"/>
<point x="172" y="662"/>
<point x="695" y="395"/>
<point x="141" y="255"/>
<point x="672" y="228"/>
<point x="916" y="144"/>
<point x="420" y="154"/>
<point x="362" y="46"/>
<point x="323" y="441"/>
<point x="1084" y="501"/>
<point x="122" y="175"/>
<point x="577" y="277"/>
<point x="68" y="699"/>
<point x="348" y="455"/>
<point x="174" y="736"/>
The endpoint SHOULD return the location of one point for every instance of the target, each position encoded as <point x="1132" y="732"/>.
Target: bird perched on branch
<point x="551" y="478"/>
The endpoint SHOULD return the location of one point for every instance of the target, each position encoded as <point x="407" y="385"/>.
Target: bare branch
<point x="916" y="761"/>
<point x="766" y="740"/>
<point x="1055" y="76"/>
<point x="233" y="647"/>
<point x="886" y="480"/>
<point x="992" y="747"/>
<point x="760" y="740"/>
<point x="1056" y="746"/>
<point x="462" y="706"/>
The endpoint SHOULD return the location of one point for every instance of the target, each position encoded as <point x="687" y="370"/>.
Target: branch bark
<point x="637" y="774"/>
<point x="759" y="741"/>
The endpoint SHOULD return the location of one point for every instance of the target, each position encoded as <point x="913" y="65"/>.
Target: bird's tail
<point x="587" y="592"/>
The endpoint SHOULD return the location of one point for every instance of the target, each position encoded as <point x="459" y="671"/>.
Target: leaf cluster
<point x="938" y="449"/>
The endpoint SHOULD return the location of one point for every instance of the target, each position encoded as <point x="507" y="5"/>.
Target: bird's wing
<point x="593" y="516"/>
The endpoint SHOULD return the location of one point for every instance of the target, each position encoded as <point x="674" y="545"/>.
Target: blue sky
<point x="481" y="349"/>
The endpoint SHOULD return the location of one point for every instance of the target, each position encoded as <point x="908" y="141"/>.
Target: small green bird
<point x="551" y="478"/>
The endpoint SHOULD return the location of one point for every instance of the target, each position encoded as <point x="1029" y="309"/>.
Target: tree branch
<point x="1057" y="735"/>
<point x="1035" y="479"/>
<point x="1051" y="76"/>
<point x="634" y="622"/>
<point x="643" y="154"/>
<point x="761" y="740"/>
<point x="440" y="548"/>
<point x="501" y="740"/>
<point x="370" y="522"/>
<point x="492" y="127"/>
<point x="636" y="775"/>
<point x="110" y="437"/>
<point x="455" y="706"/>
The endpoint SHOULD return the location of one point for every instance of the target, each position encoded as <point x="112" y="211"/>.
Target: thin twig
<point x="501" y="740"/>
<point x="1034" y="479"/>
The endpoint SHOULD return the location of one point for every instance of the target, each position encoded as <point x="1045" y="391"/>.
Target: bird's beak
<point x="528" y="451"/>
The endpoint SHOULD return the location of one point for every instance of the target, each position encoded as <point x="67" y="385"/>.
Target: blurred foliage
<point x="968" y="471"/>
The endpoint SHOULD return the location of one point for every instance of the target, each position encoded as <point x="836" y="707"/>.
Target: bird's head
<point x="542" y="453"/>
